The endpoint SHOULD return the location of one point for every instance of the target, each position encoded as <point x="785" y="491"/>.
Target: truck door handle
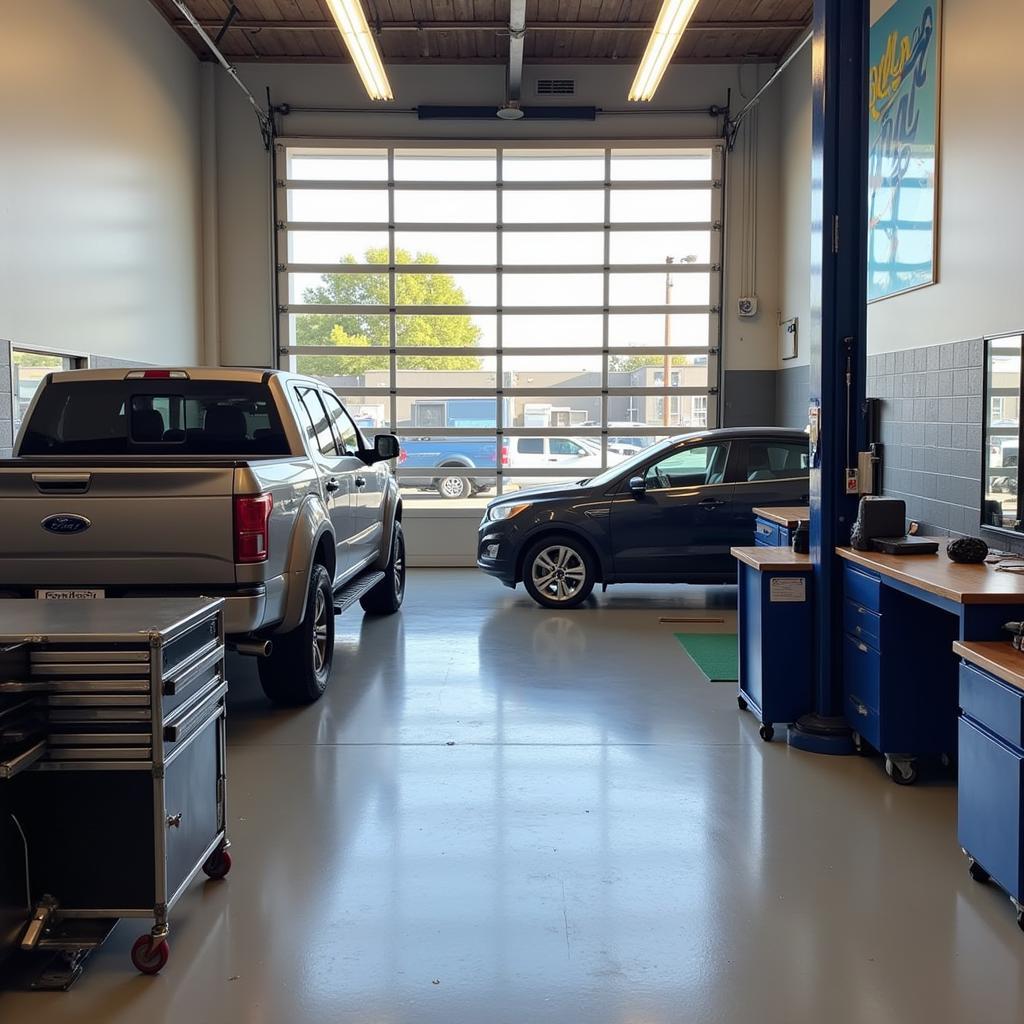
<point x="710" y="503"/>
<point x="360" y="481"/>
<point x="332" y="485"/>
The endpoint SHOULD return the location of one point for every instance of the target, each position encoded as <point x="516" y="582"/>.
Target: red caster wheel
<point x="149" y="956"/>
<point x="217" y="865"/>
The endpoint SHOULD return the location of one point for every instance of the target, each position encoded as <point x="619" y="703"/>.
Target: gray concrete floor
<point x="504" y="814"/>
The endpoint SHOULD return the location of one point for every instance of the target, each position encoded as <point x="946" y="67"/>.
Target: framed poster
<point x="903" y="142"/>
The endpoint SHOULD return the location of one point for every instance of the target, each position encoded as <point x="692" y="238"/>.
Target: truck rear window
<point x="142" y="417"/>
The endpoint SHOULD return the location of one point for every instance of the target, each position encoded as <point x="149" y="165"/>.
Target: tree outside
<point x="372" y="329"/>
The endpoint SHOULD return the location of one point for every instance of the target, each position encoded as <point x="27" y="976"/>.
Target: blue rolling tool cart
<point x="776" y="634"/>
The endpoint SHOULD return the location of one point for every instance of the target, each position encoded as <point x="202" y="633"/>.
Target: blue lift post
<point x="838" y="336"/>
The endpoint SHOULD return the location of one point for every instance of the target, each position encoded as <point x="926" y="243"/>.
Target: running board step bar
<point x="355" y="589"/>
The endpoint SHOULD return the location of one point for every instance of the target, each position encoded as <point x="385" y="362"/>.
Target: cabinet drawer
<point x="861" y="672"/>
<point x="862" y="588"/>
<point x="862" y="623"/>
<point x="990" y="785"/>
<point x="990" y="701"/>
<point x="864" y="720"/>
<point x="766" y="534"/>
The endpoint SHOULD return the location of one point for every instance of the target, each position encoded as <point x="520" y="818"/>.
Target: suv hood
<point x="543" y="491"/>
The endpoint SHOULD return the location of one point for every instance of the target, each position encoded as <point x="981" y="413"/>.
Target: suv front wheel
<point x="559" y="572"/>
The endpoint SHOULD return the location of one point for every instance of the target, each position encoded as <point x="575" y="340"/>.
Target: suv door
<point x="770" y="472"/>
<point x="680" y="527"/>
<point x="337" y="476"/>
<point x="369" y="481"/>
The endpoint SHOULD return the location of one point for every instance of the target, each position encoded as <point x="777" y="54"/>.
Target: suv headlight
<point x="497" y="513"/>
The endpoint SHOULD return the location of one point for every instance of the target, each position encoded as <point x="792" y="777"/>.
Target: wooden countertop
<point x="773" y="559"/>
<point x="786" y="515"/>
<point x="995" y="656"/>
<point x="964" y="584"/>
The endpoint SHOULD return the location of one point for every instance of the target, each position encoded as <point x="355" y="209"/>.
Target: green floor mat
<point x="716" y="654"/>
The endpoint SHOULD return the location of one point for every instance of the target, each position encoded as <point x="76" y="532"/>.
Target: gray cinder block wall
<point x="6" y="400"/>
<point x="932" y="415"/>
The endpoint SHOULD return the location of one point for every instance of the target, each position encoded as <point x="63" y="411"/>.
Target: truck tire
<point x="299" y="667"/>
<point x="453" y="487"/>
<point x="387" y="596"/>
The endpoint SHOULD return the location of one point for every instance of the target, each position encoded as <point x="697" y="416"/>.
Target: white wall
<point x="981" y="261"/>
<point x="99" y="181"/>
<point x="246" y="310"/>
<point x="795" y="201"/>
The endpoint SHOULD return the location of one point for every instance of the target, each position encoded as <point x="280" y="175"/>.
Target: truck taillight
<point x="402" y="455"/>
<point x="504" y="454"/>
<point x="252" y="527"/>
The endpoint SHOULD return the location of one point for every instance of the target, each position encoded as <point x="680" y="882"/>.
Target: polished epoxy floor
<point x="501" y="814"/>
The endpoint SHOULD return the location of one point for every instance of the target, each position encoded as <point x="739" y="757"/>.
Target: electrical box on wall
<point x="747" y="305"/>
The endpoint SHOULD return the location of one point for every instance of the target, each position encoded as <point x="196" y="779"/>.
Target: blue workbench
<point x="901" y="615"/>
<point x="776" y="634"/>
<point x="774" y="527"/>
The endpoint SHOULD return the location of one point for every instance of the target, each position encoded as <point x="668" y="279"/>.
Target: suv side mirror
<point x="637" y="486"/>
<point x="385" y="447"/>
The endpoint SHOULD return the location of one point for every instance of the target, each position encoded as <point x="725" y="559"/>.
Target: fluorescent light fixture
<point x="363" y="50"/>
<point x="674" y="17"/>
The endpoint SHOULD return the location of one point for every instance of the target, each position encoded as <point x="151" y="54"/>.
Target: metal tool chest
<point x="112" y="767"/>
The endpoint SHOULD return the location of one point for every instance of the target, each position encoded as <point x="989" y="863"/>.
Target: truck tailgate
<point x="147" y="524"/>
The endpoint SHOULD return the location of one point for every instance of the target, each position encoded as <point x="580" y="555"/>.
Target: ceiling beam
<point x="251" y="25"/>
<point x="271" y="58"/>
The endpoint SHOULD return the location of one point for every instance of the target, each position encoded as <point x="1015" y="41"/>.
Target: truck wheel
<point x="558" y="572"/>
<point x="299" y="667"/>
<point x="454" y="487"/>
<point x="386" y="597"/>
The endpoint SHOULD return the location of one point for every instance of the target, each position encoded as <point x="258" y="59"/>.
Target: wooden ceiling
<point x="461" y="31"/>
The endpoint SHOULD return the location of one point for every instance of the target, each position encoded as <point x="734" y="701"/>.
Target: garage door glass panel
<point x="366" y="205"/>
<point x="337" y="246"/>
<point x="444" y="165"/>
<point x="430" y="348"/>
<point x="661" y="165"/>
<point x="538" y="206"/>
<point x="325" y="164"/>
<point x="552" y="165"/>
<point x="435" y="206"/>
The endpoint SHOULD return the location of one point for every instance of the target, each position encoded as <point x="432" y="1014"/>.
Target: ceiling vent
<point x="556" y="87"/>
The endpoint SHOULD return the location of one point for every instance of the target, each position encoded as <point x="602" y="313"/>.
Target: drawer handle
<point x="174" y="821"/>
<point x="859" y="706"/>
<point x="857" y="628"/>
<point x="861" y="609"/>
<point x="863" y="648"/>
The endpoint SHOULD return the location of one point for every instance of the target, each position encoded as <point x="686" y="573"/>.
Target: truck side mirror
<point x="637" y="486"/>
<point x="385" y="447"/>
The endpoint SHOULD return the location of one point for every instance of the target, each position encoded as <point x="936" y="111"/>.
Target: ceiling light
<point x="511" y="111"/>
<point x="673" y="19"/>
<point x="361" y="47"/>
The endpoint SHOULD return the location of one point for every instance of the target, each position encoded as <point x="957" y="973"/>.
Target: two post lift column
<point x="838" y="339"/>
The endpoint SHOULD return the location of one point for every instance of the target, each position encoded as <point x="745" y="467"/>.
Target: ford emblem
<point x="65" y="523"/>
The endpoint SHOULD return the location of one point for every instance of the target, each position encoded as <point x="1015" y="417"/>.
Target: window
<point x="27" y="372"/>
<point x="323" y="438"/>
<point x="347" y="436"/>
<point x="777" y="460"/>
<point x="530" y="445"/>
<point x="1000" y="483"/>
<point x="461" y="294"/>
<point x="689" y="467"/>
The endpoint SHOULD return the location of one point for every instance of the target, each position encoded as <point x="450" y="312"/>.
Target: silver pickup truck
<point x="255" y="486"/>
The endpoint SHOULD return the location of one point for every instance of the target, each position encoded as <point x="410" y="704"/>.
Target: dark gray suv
<point x="668" y="514"/>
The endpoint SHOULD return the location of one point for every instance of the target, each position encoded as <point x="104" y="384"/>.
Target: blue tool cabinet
<point x="990" y="814"/>
<point x="776" y="635"/>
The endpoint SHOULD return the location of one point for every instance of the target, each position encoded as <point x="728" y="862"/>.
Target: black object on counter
<point x="801" y="539"/>
<point x="969" y="550"/>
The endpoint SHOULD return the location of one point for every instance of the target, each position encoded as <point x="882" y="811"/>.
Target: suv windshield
<point x="153" y="416"/>
<point x="624" y="468"/>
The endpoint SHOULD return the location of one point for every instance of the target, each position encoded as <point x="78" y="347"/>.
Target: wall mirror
<point x="1001" y="436"/>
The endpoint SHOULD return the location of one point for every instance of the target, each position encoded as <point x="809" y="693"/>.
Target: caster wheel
<point x="1020" y="920"/>
<point x="149" y="957"/>
<point x="977" y="872"/>
<point x="904" y="774"/>
<point x="767" y="733"/>
<point x="858" y="743"/>
<point x="742" y="703"/>
<point x="217" y="865"/>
